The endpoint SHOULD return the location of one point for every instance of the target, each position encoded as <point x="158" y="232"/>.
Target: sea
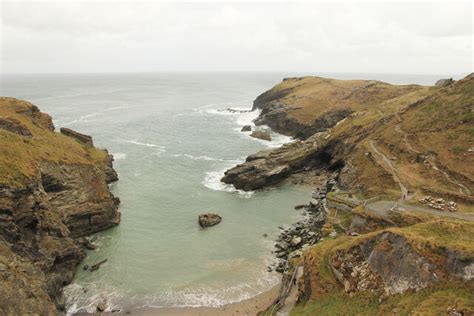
<point x="172" y="136"/>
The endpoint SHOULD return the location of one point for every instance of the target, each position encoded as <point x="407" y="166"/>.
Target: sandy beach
<point x="246" y="307"/>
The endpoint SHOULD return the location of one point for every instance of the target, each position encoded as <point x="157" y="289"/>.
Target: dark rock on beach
<point x="303" y="233"/>
<point x="209" y="219"/>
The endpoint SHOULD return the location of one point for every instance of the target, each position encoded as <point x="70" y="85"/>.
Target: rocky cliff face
<point x="424" y="268"/>
<point x="53" y="192"/>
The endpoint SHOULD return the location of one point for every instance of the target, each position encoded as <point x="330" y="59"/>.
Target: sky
<point x="142" y="36"/>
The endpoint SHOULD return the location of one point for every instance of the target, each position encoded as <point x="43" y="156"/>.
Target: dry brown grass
<point x="313" y="96"/>
<point x="19" y="155"/>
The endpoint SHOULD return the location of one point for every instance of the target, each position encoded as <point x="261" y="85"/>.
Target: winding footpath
<point x="391" y="169"/>
<point x="462" y="188"/>
<point x="382" y="208"/>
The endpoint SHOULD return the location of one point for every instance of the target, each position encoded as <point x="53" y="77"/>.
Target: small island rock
<point x="209" y="219"/>
<point x="246" y="128"/>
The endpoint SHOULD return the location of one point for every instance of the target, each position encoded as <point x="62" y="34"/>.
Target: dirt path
<point x="382" y="208"/>
<point x="462" y="188"/>
<point x="398" y="128"/>
<point x="290" y="301"/>
<point x="391" y="168"/>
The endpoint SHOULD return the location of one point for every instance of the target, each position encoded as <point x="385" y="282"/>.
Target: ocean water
<point x="172" y="138"/>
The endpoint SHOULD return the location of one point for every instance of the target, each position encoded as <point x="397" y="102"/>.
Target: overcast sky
<point x="345" y="37"/>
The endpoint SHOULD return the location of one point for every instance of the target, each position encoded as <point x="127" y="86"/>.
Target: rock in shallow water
<point x="246" y="128"/>
<point x="209" y="219"/>
<point x="261" y="135"/>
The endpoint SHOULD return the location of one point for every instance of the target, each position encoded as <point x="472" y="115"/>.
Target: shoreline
<point x="250" y="306"/>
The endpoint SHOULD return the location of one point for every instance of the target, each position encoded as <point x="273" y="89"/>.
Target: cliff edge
<point x="53" y="193"/>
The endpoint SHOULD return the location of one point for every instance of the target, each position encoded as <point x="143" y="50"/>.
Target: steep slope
<point x="53" y="192"/>
<point x="423" y="140"/>
<point x="424" y="269"/>
<point x="420" y="141"/>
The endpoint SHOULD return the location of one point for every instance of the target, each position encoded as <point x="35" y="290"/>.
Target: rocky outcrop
<point x="44" y="217"/>
<point x="277" y="117"/>
<point x="444" y="82"/>
<point x="271" y="166"/>
<point x="209" y="219"/>
<point x="82" y="138"/>
<point x="111" y="174"/>
<point x="261" y="135"/>
<point x="389" y="263"/>
<point x="14" y="126"/>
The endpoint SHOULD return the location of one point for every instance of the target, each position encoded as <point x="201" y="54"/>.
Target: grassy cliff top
<point x="309" y="97"/>
<point x="27" y="138"/>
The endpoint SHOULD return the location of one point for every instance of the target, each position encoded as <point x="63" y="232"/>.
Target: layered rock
<point x="271" y="166"/>
<point x="53" y="196"/>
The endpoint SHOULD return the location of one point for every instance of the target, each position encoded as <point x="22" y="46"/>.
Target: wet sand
<point x="246" y="307"/>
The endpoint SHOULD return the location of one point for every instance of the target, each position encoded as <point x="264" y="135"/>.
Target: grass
<point x="430" y="301"/>
<point x="458" y="150"/>
<point x="430" y="238"/>
<point x="20" y="155"/>
<point x="310" y="97"/>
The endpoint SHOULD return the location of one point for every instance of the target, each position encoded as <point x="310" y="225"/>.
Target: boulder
<point x="246" y="128"/>
<point x="295" y="241"/>
<point x="209" y="219"/>
<point x="444" y="82"/>
<point x="261" y="135"/>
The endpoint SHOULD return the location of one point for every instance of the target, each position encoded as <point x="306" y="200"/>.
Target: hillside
<point x="427" y="137"/>
<point x="422" y="139"/>
<point x="53" y="192"/>
<point x="393" y="171"/>
<point x="302" y="106"/>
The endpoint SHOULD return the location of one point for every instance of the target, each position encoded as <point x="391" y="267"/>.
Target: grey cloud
<point x="326" y="37"/>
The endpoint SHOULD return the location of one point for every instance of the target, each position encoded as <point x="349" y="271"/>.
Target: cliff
<point x="395" y="170"/>
<point x="301" y="107"/>
<point x="53" y="192"/>
<point x="409" y="138"/>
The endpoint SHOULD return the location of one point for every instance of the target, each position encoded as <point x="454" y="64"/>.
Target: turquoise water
<point x="172" y="140"/>
<point x="171" y="146"/>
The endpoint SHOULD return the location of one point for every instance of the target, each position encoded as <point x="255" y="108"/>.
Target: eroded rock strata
<point x="53" y="193"/>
